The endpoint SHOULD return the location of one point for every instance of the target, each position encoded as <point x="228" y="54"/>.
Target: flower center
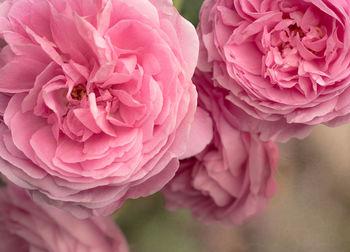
<point x="78" y="92"/>
<point x="296" y="29"/>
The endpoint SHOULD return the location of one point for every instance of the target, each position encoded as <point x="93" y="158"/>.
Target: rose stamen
<point x="78" y="92"/>
<point x="296" y="29"/>
<point x="319" y="31"/>
<point x="282" y="46"/>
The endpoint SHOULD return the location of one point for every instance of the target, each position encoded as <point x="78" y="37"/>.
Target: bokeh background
<point x="309" y="213"/>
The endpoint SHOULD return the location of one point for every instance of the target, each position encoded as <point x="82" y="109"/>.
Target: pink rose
<point x="232" y="179"/>
<point x="285" y="62"/>
<point x="26" y="226"/>
<point x="97" y="99"/>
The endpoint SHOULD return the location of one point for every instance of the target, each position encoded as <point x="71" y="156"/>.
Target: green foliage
<point x="178" y="4"/>
<point x="189" y="9"/>
<point x="150" y="228"/>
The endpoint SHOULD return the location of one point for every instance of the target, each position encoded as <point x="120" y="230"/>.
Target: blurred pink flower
<point x="27" y="226"/>
<point x="97" y="99"/>
<point x="232" y="179"/>
<point x="285" y="62"/>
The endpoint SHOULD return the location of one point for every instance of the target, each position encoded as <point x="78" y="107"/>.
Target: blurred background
<point x="309" y="213"/>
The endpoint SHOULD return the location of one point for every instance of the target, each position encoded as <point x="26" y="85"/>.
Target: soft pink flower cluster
<point x="232" y="179"/>
<point x="98" y="103"/>
<point x="286" y="63"/>
<point x="96" y="97"/>
<point x="27" y="226"/>
<point x="267" y="70"/>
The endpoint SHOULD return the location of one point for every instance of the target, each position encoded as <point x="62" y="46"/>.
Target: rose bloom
<point x="27" y="226"/>
<point x="232" y="179"/>
<point x="97" y="99"/>
<point x="285" y="62"/>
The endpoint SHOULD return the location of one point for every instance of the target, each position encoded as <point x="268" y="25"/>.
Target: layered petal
<point x="232" y="179"/>
<point x="29" y="226"/>
<point x="105" y="93"/>
<point x="285" y="63"/>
